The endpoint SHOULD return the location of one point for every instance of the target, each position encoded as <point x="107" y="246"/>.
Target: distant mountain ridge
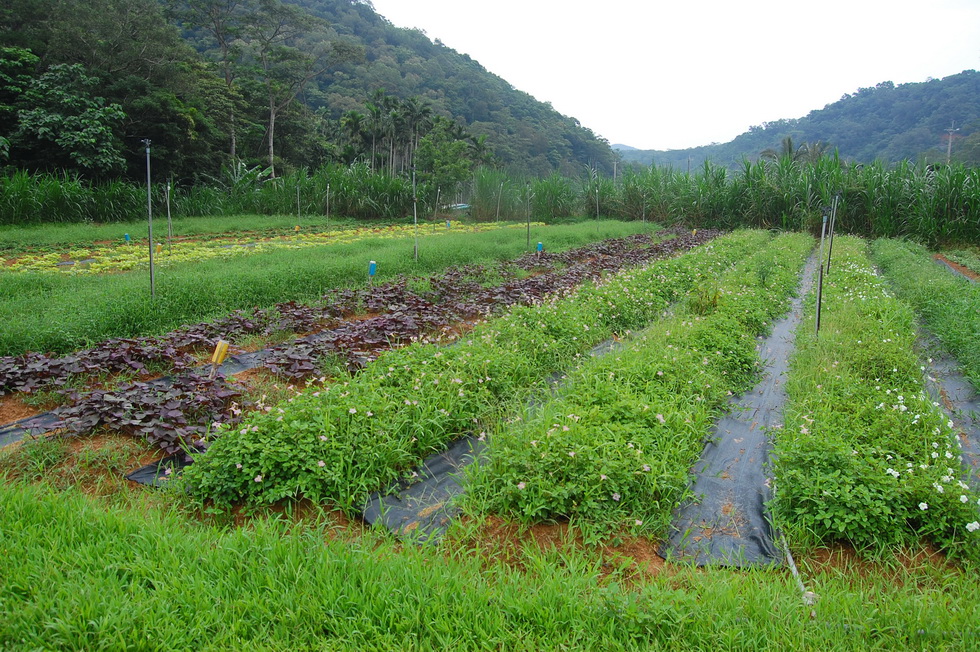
<point x="886" y="122"/>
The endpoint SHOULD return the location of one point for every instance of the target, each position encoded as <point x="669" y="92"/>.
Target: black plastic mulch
<point x="727" y="524"/>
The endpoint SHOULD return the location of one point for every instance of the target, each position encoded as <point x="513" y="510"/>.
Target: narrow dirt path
<point x="727" y="524"/>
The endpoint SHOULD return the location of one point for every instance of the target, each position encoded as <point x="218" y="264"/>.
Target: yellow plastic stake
<point x="694" y="232"/>
<point x="159" y="248"/>
<point x="220" y="351"/>
<point x="296" y="229"/>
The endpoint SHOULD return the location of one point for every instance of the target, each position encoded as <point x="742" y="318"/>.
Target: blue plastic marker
<point x="448" y="224"/>
<point x="372" y="268"/>
<point x="540" y="247"/>
<point x="126" y="235"/>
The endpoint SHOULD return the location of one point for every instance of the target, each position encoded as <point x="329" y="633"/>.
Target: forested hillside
<point x="278" y="84"/>
<point x="887" y="122"/>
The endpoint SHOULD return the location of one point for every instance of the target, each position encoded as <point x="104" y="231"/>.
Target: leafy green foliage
<point x="64" y="113"/>
<point x="342" y="442"/>
<point x="949" y="305"/>
<point x="866" y="456"/>
<point x="613" y="449"/>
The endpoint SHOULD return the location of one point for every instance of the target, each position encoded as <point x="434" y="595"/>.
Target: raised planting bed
<point x="612" y="452"/>
<point x="339" y="443"/>
<point x="176" y="413"/>
<point x="866" y="455"/>
<point x="949" y="304"/>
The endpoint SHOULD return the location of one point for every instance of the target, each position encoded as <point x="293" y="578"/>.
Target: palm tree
<point x="787" y="151"/>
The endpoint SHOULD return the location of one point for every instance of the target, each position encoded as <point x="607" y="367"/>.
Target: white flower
<point x="964" y="499"/>
<point x="258" y="478"/>
<point x="973" y="527"/>
<point x="321" y="463"/>
<point x="923" y="506"/>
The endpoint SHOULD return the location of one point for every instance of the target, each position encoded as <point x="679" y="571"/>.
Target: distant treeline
<point x="927" y="203"/>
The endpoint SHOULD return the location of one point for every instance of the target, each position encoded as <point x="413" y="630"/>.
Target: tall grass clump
<point x="552" y="198"/>
<point x="497" y="195"/>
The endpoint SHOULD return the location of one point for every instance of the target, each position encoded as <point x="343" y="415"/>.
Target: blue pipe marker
<point x="448" y="225"/>
<point x="372" y="268"/>
<point x="126" y="235"/>
<point x="540" y="247"/>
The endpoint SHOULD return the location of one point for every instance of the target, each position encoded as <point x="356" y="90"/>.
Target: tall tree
<point x="225" y="22"/>
<point x="290" y="48"/>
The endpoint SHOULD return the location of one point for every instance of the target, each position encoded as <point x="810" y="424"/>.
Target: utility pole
<point x="949" y="140"/>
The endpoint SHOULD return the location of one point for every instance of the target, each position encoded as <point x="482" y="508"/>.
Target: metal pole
<point x="415" y="214"/>
<point x="500" y="193"/>
<point x="823" y="232"/>
<point x="149" y="217"/>
<point x="833" y="223"/>
<point x="528" y="211"/>
<point x="170" y="224"/>
<point x="328" y="201"/>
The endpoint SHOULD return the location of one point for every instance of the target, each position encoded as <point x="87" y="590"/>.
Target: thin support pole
<point x="415" y="214"/>
<point x="149" y="217"/>
<point x="170" y="224"/>
<point x="823" y="233"/>
<point x="833" y="224"/>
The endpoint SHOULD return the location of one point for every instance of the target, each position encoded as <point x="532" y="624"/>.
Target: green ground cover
<point x="614" y="449"/>
<point x="866" y="456"/>
<point x="77" y="575"/>
<point x="343" y="441"/>
<point x="969" y="257"/>
<point x="948" y="304"/>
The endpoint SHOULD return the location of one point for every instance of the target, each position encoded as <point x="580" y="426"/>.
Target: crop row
<point x="62" y="313"/>
<point x="614" y="449"/>
<point x="343" y="441"/>
<point x="969" y="258"/>
<point x="177" y="416"/>
<point x="171" y="352"/>
<point x="949" y="304"/>
<point x="865" y="455"/>
<point x="125" y="256"/>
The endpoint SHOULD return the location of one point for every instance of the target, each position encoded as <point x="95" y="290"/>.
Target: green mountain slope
<point x="886" y="122"/>
<point x="271" y="83"/>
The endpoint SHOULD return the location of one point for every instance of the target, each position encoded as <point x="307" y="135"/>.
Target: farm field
<point x="592" y="389"/>
<point x="88" y="309"/>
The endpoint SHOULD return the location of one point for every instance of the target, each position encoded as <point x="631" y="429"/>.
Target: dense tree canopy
<point x="279" y="83"/>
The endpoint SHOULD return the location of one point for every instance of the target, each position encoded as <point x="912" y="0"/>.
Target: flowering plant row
<point x="614" y="449"/>
<point x="121" y="257"/>
<point x="341" y="442"/>
<point x="866" y="455"/>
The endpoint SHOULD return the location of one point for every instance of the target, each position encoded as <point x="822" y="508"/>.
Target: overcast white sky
<point x="670" y="75"/>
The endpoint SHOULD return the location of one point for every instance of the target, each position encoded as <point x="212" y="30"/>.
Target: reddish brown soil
<point x="506" y="541"/>
<point x="12" y="408"/>
<point x="842" y="559"/>
<point x="962" y="269"/>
